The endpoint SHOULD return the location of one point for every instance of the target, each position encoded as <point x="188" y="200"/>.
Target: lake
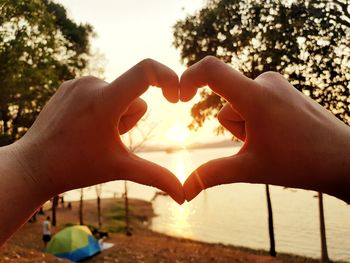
<point x="237" y="213"/>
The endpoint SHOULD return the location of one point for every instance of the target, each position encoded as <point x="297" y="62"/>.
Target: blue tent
<point x="74" y="243"/>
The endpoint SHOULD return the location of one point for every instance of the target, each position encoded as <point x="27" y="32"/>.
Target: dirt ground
<point x="143" y="246"/>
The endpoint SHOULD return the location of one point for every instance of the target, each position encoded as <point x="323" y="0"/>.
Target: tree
<point x="40" y="47"/>
<point x="306" y="41"/>
<point x="98" y="189"/>
<point x="135" y="140"/>
<point x="324" y="250"/>
<point x="54" y="209"/>
<point x="126" y="207"/>
<point x="81" y="207"/>
<point x="270" y="223"/>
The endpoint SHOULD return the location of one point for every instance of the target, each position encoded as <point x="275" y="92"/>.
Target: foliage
<point x="115" y="227"/>
<point x="306" y="41"/>
<point x="115" y="219"/>
<point x="40" y="47"/>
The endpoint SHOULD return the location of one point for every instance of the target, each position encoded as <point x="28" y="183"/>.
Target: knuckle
<point x="210" y="61"/>
<point x="272" y="89"/>
<point x="86" y="83"/>
<point x="74" y="84"/>
<point x="209" y="66"/>
<point x="144" y="67"/>
<point x="67" y="82"/>
<point x="66" y="86"/>
<point x="88" y="79"/>
<point x="147" y="70"/>
<point x="269" y="75"/>
<point x="146" y="63"/>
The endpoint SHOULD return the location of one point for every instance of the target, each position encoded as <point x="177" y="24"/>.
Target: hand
<point x="289" y="139"/>
<point x="75" y="141"/>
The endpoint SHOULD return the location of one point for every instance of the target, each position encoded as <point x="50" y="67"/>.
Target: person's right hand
<point x="289" y="139"/>
<point x="75" y="141"/>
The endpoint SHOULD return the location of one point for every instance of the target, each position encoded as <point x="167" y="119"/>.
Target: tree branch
<point x="344" y="9"/>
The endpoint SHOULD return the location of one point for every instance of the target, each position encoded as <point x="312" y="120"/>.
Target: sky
<point x="129" y="31"/>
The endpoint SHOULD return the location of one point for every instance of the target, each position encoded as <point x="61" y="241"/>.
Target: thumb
<point x="132" y="115"/>
<point x="233" y="169"/>
<point x="147" y="173"/>
<point x="233" y="121"/>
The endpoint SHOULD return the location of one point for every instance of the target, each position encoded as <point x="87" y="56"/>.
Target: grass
<point x="115" y="219"/>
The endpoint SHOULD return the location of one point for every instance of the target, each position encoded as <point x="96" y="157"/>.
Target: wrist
<point x="21" y="193"/>
<point x="338" y="170"/>
<point x="28" y="168"/>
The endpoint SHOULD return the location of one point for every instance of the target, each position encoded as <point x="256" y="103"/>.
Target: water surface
<point x="237" y="213"/>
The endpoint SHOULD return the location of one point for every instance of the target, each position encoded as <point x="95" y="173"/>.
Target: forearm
<point x="20" y="193"/>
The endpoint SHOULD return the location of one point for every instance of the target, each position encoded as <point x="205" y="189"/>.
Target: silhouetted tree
<point x="306" y="41"/>
<point x="126" y="207"/>
<point x="81" y="207"/>
<point x="98" y="189"/>
<point x="270" y="222"/>
<point x="54" y="210"/>
<point x="135" y="139"/>
<point x="40" y="47"/>
<point x="324" y="250"/>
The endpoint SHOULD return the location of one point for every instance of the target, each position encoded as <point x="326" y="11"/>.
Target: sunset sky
<point x="129" y="31"/>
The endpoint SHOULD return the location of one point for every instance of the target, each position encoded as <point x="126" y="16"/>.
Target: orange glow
<point x="180" y="169"/>
<point x="177" y="133"/>
<point x="180" y="223"/>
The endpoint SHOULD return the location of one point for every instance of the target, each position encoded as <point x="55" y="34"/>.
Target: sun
<point x="177" y="133"/>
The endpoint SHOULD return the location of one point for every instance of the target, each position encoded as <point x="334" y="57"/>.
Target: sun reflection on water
<point x="180" y="168"/>
<point x="180" y="224"/>
<point x="180" y="215"/>
<point x="181" y="165"/>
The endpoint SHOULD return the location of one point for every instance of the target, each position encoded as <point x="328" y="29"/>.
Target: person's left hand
<point x="289" y="139"/>
<point x="75" y="141"/>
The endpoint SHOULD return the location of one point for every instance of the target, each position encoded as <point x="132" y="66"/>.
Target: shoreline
<point x="144" y="245"/>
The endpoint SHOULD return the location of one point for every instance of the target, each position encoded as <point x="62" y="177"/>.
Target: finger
<point x="222" y="79"/>
<point x="147" y="173"/>
<point x="237" y="168"/>
<point x="136" y="81"/>
<point x="132" y="115"/>
<point x="232" y="121"/>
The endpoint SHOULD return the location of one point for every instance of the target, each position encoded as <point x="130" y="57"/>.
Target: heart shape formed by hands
<point x="82" y="123"/>
<point x="289" y="139"/>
